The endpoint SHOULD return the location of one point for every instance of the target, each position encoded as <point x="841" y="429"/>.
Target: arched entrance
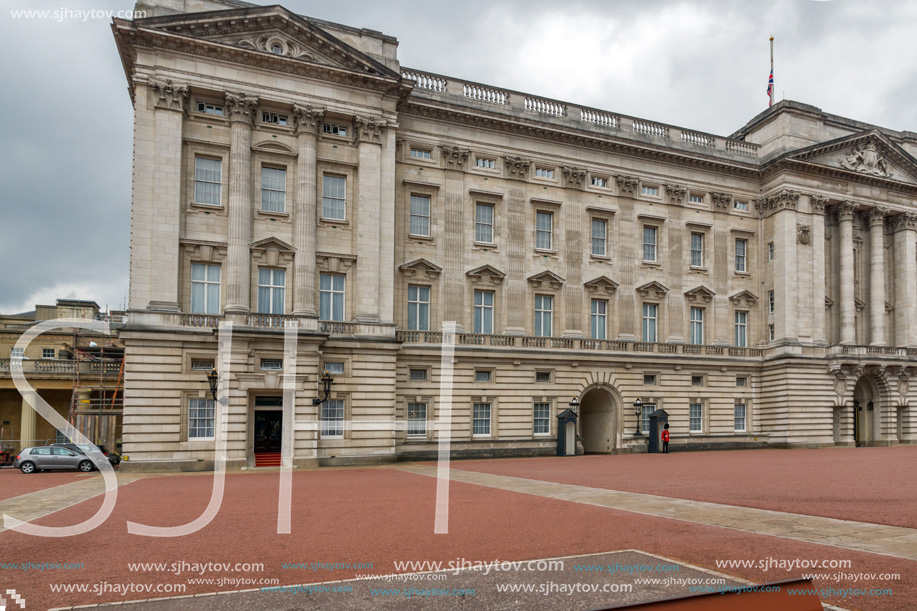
<point x="598" y="421"/>
<point x="865" y="411"/>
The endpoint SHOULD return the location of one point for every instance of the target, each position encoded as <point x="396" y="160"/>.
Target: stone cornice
<point x="784" y="199"/>
<point x="812" y="169"/>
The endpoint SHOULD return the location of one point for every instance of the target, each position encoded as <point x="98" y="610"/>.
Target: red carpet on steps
<point x="267" y="459"/>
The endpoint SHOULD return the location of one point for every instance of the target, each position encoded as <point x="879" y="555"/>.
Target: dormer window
<point x="273" y="117"/>
<point x="210" y="109"/>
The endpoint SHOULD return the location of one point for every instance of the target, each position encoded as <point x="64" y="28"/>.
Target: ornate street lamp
<point x="574" y="404"/>
<point x="327" y="380"/>
<point x="638" y="412"/>
<point x="214" y="378"/>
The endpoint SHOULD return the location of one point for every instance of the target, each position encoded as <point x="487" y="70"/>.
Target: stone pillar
<point x="845" y="214"/>
<point x="574" y="252"/>
<point x="877" y="276"/>
<point x="368" y="133"/>
<point x="454" y="308"/>
<point x="630" y="253"/>
<point x="786" y="312"/>
<point x="723" y="319"/>
<point x="387" y="228"/>
<point x="676" y="312"/>
<point x="306" y="122"/>
<point x="28" y="422"/>
<point x="819" y="334"/>
<point x="516" y="170"/>
<point x="905" y="228"/>
<point x="242" y="111"/>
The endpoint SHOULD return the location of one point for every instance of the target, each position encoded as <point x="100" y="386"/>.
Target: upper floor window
<point x="334" y="196"/>
<point x="696" y="199"/>
<point x="334" y="130"/>
<point x="334" y="367"/>
<point x="770" y="302"/>
<point x="273" y="117"/>
<point x="271" y="290"/>
<point x="771" y="332"/>
<point x="420" y="153"/>
<point x="649" y="243"/>
<point x="599" y="182"/>
<point x="544" y="222"/>
<point x="653" y="191"/>
<point x="544" y="306"/>
<point x="276" y="49"/>
<point x="273" y="189"/>
<point x="697" y="325"/>
<point x="650" y="316"/>
<point x="770" y="251"/>
<point x="331" y="297"/>
<point x="484" y="223"/>
<point x="484" y="312"/>
<point x="205" y="288"/>
<point x="697" y="250"/>
<point x="599" y="237"/>
<point x="741" y="255"/>
<point x="741" y="329"/>
<point x="208" y="178"/>
<point x="201" y="365"/>
<point x="420" y="215"/>
<point x="418" y="375"/>
<point x="737" y="205"/>
<point x="419" y="308"/>
<point x="599" y="319"/>
<point x="210" y="109"/>
<point x="485" y="163"/>
<point x="16" y="352"/>
<point x="544" y="173"/>
<point x="47" y="353"/>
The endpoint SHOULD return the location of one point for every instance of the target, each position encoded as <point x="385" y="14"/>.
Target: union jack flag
<point x="770" y="88"/>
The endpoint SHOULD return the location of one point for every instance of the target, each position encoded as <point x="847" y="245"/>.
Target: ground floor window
<point x="333" y="418"/>
<point x="417" y="419"/>
<point x="542" y="418"/>
<point x="481" y="419"/>
<point x="696" y="416"/>
<point x="740" y="417"/>
<point x="200" y="418"/>
<point x="648" y="408"/>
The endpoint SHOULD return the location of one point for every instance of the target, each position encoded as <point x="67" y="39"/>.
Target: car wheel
<point x="86" y="466"/>
<point x="27" y="467"/>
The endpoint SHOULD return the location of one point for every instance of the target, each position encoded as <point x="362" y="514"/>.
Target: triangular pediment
<point x="546" y="279"/>
<point x="485" y="274"/>
<point x="744" y="299"/>
<point x="653" y="290"/>
<point x="700" y="294"/>
<point x="272" y="252"/>
<point x="870" y="154"/>
<point x="270" y="146"/>
<point x="602" y="284"/>
<point x="420" y="268"/>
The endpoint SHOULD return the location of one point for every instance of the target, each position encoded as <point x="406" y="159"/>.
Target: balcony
<point x="60" y="367"/>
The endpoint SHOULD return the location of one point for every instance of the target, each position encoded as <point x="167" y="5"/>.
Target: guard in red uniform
<point x="665" y="439"/>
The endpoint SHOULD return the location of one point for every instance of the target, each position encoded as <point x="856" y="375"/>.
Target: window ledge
<point x="652" y="264"/>
<point x="207" y="207"/>
<point x="601" y="258"/>
<point x="485" y="245"/>
<point x="336" y="138"/>
<point x="269" y="213"/>
<point x="424" y="238"/>
<point x="341" y="222"/>
<point x="540" y="251"/>
<point x="745" y="274"/>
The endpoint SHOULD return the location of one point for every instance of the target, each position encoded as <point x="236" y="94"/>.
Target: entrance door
<point x="268" y="428"/>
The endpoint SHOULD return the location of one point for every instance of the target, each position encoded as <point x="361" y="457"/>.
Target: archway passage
<point x="865" y="410"/>
<point x="597" y="422"/>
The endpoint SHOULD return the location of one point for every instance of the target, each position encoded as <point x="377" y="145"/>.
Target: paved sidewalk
<point x="860" y="536"/>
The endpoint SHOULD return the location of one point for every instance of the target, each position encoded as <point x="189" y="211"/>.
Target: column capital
<point x="368" y="129"/>
<point x="516" y="167"/>
<point x="307" y="120"/>
<point x="574" y="178"/>
<point x="905" y="220"/>
<point x="627" y="185"/>
<point x="818" y="203"/>
<point x="454" y="157"/>
<point x="168" y="95"/>
<point x="846" y="210"/>
<point x="676" y="194"/>
<point x="241" y="107"/>
<point x="876" y="216"/>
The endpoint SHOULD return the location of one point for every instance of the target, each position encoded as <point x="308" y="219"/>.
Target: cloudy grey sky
<point x="65" y="141"/>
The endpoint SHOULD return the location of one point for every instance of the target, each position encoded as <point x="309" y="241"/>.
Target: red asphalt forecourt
<point x="381" y="515"/>
<point x="13" y="485"/>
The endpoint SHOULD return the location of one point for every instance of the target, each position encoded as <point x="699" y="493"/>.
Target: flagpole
<point x="772" y="71"/>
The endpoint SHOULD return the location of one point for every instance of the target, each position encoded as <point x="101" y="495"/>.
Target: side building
<point x="759" y="288"/>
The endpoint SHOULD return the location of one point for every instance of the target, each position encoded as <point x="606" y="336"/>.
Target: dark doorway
<point x="268" y="427"/>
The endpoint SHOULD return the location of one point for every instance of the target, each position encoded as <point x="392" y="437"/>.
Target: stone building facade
<point x="760" y="288"/>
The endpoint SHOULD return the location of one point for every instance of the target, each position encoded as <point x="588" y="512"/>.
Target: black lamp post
<point x="638" y="412"/>
<point x="214" y="378"/>
<point x="574" y="404"/>
<point x="327" y="380"/>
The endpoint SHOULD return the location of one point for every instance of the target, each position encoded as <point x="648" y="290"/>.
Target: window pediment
<point x="700" y="294"/>
<point x="653" y="290"/>
<point x="602" y="284"/>
<point x="546" y="279"/>
<point x="272" y="252"/>
<point x="420" y="269"/>
<point x="486" y="274"/>
<point x="275" y="148"/>
<point x="744" y="299"/>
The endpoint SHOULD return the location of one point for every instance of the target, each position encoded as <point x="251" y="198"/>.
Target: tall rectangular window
<point x="205" y="288"/>
<point x="741" y="329"/>
<point x="484" y="312"/>
<point x="481" y="419"/>
<point x="200" y="418"/>
<point x="599" y="319"/>
<point x="273" y="189"/>
<point x="208" y="177"/>
<point x="696" y="417"/>
<point x="334" y="197"/>
<point x="697" y="250"/>
<point x="648" y="408"/>
<point x="741" y="255"/>
<point x="649" y="243"/>
<point x="332" y="418"/>
<point x="770" y="302"/>
<point x="542" y="418"/>
<point x="740" y="417"/>
<point x="271" y="285"/>
<point x="599" y="237"/>
<point x="417" y="419"/>
<point x="544" y="305"/>
<point x="770" y="251"/>
<point x="544" y="222"/>
<point x="331" y="297"/>
<point x="420" y="215"/>
<point x="697" y="326"/>
<point x="419" y="308"/>
<point x="650" y="313"/>
<point x="484" y="223"/>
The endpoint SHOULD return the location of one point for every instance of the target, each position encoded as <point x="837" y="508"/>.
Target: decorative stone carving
<point x="272" y="252"/>
<point x="653" y="290"/>
<point x="721" y="201"/>
<point x="602" y="284"/>
<point x="241" y="107"/>
<point x="455" y="158"/>
<point x="860" y="304"/>
<point x="866" y="159"/>
<point x="744" y="299"/>
<point x="818" y="203"/>
<point x="205" y="252"/>
<point x="168" y="95"/>
<point x="420" y="269"/>
<point x="905" y="220"/>
<point x="627" y="185"/>
<point x="846" y="210"/>
<point x="486" y="274"/>
<point x="307" y="119"/>
<point x="334" y="262"/>
<point x="516" y="167"/>
<point x="574" y="178"/>
<point x="368" y="129"/>
<point x="546" y="279"/>
<point x="699" y="295"/>
<point x="676" y="194"/>
<point x="802" y="234"/>
<point x="876" y="216"/>
<point x="785" y="199"/>
<point x="272" y="44"/>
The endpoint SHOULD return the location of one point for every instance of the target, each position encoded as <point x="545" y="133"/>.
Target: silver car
<point x="43" y="458"/>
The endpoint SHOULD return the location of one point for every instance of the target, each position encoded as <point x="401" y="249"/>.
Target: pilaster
<point x="845" y="213"/>
<point x="306" y="121"/>
<point x="574" y="180"/>
<point x="454" y="160"/>
<point x="786" y="310"/>
<point x="819" y="334"/>
<point x="242" y="111"/>
<point x="516" y="170"/>
<point x="369" y="133"/>
<point x="629" y="255"/>
<point x="905" y="236"/>
<point x="876" y="218"/>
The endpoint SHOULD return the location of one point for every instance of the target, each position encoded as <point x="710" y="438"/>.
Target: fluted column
<point x="306" y="122"/>
<point x="369" y="133"/>
<point x="28" y="421"/>
<point x="845" y="214"/>
<point x="574" y="253"/>
<point x="905" y="227"/>
<point x="238" y="273"/>
<point x="877" y="275"/>
<point x="818" y="269"/>
<point x="454" y="160"/>
<point x="630" y="252"/>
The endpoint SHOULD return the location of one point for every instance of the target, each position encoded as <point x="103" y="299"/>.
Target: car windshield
<point x="87" y="447"/>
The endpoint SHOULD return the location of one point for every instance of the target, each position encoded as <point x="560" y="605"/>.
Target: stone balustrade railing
<point x="333" y="327"/>
<point x="57" y="366"/>
<point x="506" y="100"/>
<point x="892" y="351"/>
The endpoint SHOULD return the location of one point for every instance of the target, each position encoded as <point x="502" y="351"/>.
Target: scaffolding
<point x="97" y="402"/>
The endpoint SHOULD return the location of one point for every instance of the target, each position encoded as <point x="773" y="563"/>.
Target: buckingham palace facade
<point x="288" y="172"/>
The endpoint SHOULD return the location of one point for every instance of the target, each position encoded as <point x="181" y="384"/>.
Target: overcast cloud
<point x="66" y="136"/>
